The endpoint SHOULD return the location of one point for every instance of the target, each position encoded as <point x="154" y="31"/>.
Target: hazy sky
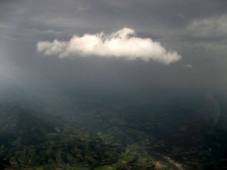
<point x="195" y="30"/>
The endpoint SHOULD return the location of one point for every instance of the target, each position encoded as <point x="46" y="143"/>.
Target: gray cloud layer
<point x="210" y="27"/>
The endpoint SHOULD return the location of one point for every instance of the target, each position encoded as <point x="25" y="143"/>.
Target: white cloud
<point x="121" y="44"/>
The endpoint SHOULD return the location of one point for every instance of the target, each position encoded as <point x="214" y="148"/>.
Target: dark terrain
<point x="115" y="135"/>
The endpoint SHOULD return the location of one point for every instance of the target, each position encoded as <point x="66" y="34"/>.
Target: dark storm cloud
<point x="163" y="19"/>
<point x="173" y="12"/>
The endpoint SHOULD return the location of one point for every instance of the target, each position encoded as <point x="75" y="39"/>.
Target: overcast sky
<point x="192" y="33"/>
